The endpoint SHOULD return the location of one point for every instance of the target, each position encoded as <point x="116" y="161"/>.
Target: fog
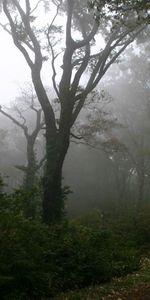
<point x="74" y="149"/>
<point x="109" y="166"/>
<point x="100" y="173"/>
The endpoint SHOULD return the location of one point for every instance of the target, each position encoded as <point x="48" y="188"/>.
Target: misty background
<point x="109" y="165"/>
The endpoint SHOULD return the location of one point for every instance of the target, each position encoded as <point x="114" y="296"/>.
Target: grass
<point x="133" y="285"/>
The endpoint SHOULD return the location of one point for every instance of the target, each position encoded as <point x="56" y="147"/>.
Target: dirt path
<point x="141" y="292"/>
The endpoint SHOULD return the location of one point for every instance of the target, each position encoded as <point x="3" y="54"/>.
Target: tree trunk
<point x="53" y="202"/>
<point x="29" y="180"/>
<point x="56" y="148"/>
<point x="141" y="182"/>
<point x="30" y="174"/>
<point x="57" y="143"/>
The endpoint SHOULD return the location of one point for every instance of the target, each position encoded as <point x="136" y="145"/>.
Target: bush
<point x="23" y="268"/>
<point x="132" y="226"/>
<point x="37" y="260"/>
<point x="26" y="203"/>
<point x="124" y="260"/>
<point x="82" y="257"/>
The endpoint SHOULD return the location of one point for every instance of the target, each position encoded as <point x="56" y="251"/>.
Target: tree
<point x="119" y="30"/>
<point x="32" y="165"/>
<point x="133" y="112"/>
<point x="138" y="131"/>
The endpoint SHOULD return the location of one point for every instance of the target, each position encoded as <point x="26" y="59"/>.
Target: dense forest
<point x="75" y="149"/>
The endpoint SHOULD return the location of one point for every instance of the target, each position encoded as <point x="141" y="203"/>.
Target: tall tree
<point x="114" y="22"/>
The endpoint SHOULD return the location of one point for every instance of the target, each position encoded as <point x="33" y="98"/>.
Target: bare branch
<point x="52" y="51"/>
<point x="4" y="26"/>
<point x="104" y="67"/>
<point x="53" y="66"/>
<point x="22" y="126"/>
<point x="54" y="18"/>
<point x="20" y="114"/>
<point x="123" y="48"/>
<point x="36" y="6"/>
<point x="101" y="68"/>
<point x="85" y="61"/>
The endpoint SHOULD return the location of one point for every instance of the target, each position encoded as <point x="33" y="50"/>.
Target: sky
<point x="13" y="69"/>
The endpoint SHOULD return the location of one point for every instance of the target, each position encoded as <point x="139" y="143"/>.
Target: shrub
<point x="37" y="260"/>
<point x="82" y="257"/>
<point x="23" y="269"/>
<point x="26" y="203"/>
<point x="142" y="228"/>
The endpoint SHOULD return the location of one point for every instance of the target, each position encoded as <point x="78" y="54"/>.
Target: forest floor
<point x="134" y="286"/>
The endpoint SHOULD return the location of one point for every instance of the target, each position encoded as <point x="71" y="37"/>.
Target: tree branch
<point x="53" y="66"/>
<point x="36" y="6"/>
<point x="78" y="108"/>
<point x="89" y="37"/>
<point x="52" y="51"/>
<point x="36" y="45"/>
<point x="70" y="48"/>
<point x="4" y="26"/>
<point x="78" y="61"/>
<point x="39" y="125"/>
<point x="20" y="114"/>
<point x="123" y="48"/>
<point x="22" y="126"/>
<point x="28" y="8"/>
<point x="15" y="35"/>
<point x="85" y="61"/>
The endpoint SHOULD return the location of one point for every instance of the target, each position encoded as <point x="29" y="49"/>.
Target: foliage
<point x="120" y="5"/>
<point x="22" y="202"/>
<point x="37" y="260"/>
<point x="23" y="266"/>
<point x="1" y="186"/>
<point x="130" y="225"/>
<point x="133" y="286"/>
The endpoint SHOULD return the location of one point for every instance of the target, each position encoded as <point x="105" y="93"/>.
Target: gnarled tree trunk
<point x="56" y="149"/>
